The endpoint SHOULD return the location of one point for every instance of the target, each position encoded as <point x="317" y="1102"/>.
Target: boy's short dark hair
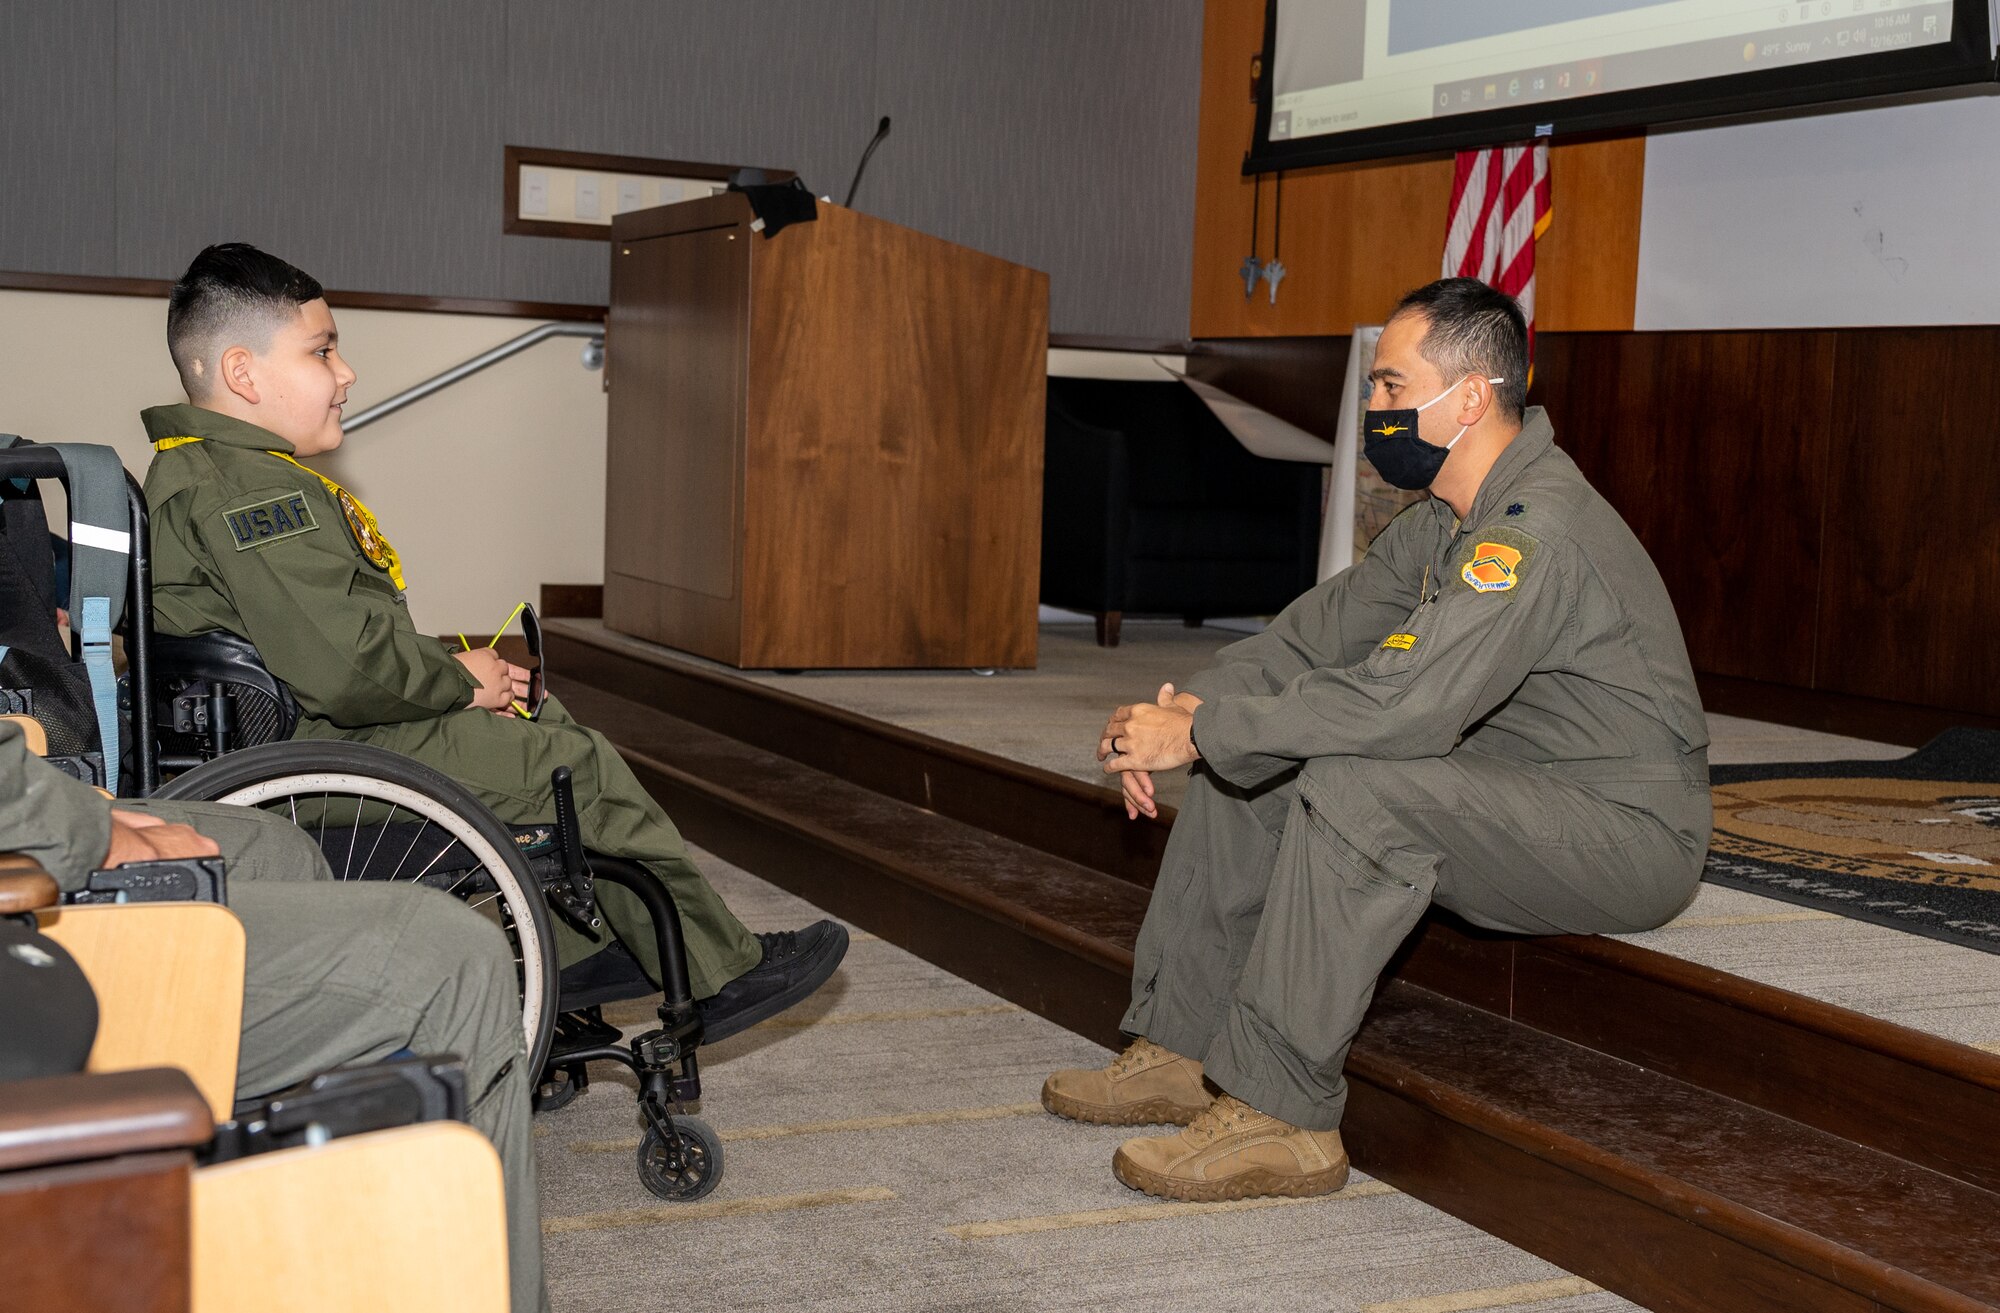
<point x="232" y="291"/>
<point x="1474" y="329"/>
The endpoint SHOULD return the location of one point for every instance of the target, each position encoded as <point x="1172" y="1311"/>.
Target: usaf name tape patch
<point x="262" y="523"/>
<point x="1497" y="560"/>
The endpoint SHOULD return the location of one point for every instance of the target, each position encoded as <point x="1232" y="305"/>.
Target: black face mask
<point x="1405" y="460"/>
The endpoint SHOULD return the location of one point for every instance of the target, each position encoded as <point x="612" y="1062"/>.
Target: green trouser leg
<point x="340" y="973"/>
<point x="507" y="761"/>
<point x="1276" y="909"/>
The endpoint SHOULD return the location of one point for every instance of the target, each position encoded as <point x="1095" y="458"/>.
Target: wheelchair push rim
<point x="280" y="778"/>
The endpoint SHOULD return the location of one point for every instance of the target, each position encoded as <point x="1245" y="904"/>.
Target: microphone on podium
<point x="881" y="131"/>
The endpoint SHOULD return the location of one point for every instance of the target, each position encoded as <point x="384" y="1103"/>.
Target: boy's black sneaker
<point x="610" y="975"/>
<point x="795" y="963"/>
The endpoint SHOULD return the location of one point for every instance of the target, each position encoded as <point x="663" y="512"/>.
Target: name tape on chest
<point x="262" y="523"/>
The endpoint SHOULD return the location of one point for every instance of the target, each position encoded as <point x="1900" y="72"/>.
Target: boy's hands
<point x="501" y="684"/>
<point x="142" y="837"/>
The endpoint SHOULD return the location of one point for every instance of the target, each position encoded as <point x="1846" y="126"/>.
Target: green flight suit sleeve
<point x="330" y="628"/>
<point x="1336" y="624"/>
<point x="61" y="822"/>
<point x="1453" y="661"/>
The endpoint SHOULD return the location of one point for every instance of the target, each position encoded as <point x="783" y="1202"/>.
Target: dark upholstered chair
<point x="1150" y="507"/>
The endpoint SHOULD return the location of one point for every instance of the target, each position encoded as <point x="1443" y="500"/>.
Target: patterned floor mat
<point x="1913" y="843"/>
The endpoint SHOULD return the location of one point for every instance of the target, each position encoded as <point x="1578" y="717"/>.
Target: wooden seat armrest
<point x="24" y="885"/>
<point x="58" y="1119"/>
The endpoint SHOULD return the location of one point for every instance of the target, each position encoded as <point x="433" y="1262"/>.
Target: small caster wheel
<point x="687" y="1169"/>
<point x="558" y="1089"/>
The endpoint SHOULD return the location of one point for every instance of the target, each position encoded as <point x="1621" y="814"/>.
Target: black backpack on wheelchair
<point x="205" y="712"/>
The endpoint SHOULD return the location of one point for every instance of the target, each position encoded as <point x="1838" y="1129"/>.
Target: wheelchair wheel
<point x="692" y="1167"/>
<point x="378" y="815"/>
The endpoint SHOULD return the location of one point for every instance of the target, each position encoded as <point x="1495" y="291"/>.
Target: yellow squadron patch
<point x="367" y="536"/>
<point x="1401" y="642"/>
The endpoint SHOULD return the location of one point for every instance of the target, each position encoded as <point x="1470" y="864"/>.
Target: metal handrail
<point x="494" y="356"/>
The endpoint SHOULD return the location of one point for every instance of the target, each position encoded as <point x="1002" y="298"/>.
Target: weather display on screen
<point x="1345" y="65"/>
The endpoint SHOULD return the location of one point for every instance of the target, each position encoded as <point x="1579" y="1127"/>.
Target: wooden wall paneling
<point x="1298" y="379"/>
<point x="578" y="601"/>
<point x="1587" y="263"/>
<point x="1713" y="448"/>
<point x="1879" y="719"/>
<point x="1912" y="551"/>
<point x="1357" y="236"/>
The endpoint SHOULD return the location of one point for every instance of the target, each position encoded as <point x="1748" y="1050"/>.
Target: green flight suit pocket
<point x="1405" y="649"/>
<point x="365" y="582"/>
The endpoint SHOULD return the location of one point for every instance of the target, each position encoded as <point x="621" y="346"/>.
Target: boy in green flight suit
<point x="248" y="540"/>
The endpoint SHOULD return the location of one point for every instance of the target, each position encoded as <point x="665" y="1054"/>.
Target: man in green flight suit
<point x="1492" y="712"/>
<point x="333" y="973"/>
<point x="248" y="540"/>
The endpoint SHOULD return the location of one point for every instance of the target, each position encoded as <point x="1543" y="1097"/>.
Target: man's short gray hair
<point x="1474" y="330"/>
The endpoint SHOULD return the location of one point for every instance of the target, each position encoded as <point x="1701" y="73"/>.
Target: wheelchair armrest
<point x="221" y="658"/>
<point x="60" y="1119"/>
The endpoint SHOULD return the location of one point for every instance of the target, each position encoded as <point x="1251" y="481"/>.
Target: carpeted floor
<point x="884" y="1151"/>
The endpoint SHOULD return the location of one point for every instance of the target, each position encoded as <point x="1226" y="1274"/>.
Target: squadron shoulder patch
<point x="260" y="524"/>
<point x="1497" y="561"/>
<point x="1494" y="568"/>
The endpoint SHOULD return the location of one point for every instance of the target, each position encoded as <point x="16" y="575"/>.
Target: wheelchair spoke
<point x="292" y="801"/>
<point x="455" y="843"/>
<point x="414" y="840"/>
<point x="380" y="830"/>
<point x="321" y="837"/>
<point x="353" y="837"/>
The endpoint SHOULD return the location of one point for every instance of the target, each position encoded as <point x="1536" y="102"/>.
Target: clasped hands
<point x="501" y="682"/>
<point x="1145" y="737"/>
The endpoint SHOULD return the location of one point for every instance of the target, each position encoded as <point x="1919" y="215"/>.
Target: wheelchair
<point x="206" y="714"/>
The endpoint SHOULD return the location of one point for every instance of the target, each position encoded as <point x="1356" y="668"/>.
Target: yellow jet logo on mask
<point x="1390" y="431"/>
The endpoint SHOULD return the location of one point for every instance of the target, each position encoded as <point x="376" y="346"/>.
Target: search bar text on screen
<point x="1423" y="24"/>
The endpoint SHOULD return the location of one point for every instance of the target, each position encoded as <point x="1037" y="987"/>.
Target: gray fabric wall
<point x="362" y="139"/>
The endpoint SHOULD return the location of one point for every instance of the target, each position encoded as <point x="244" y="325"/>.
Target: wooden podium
<point x="825" y="445"/>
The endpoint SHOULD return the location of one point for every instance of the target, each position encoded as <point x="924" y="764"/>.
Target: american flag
<point x="1499" y="207"/>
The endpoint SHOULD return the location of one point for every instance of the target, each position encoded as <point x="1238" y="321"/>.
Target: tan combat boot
<point x="1232" y="1151"/>
<point x="1145" y="1084"/>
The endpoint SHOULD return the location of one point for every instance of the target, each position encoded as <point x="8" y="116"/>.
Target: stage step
<point x="1688" y="1139"/>
<point x="1695" y="1200"/>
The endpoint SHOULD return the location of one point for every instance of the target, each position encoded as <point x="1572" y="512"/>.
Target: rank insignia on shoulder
<point x="1516" y="509"/>
<point x="1401" y="642"/>
<point x="262" y="523"/>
